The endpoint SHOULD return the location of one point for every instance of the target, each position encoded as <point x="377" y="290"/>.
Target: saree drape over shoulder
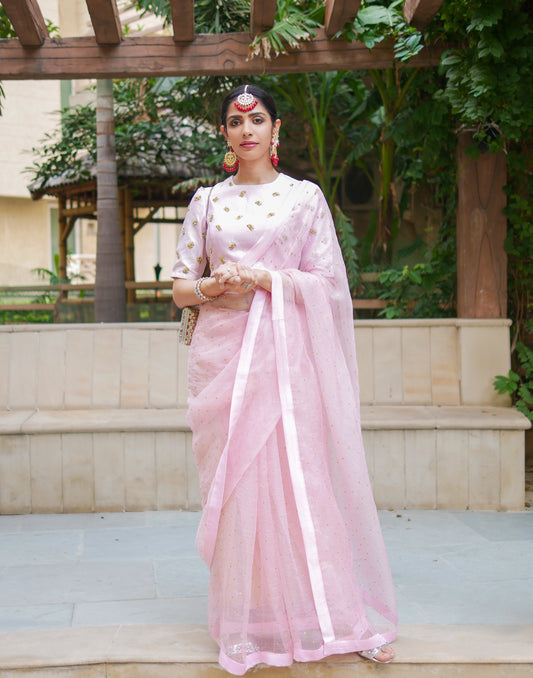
<point x="289" y="529"/>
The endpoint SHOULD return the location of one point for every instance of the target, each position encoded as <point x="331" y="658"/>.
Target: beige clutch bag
<point x="189" y="318"/>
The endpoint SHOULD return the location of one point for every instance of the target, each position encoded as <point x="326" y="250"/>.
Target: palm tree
<point x="109" y="292"/>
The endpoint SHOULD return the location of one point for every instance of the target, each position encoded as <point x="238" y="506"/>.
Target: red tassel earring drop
<point x="274" y="144"/>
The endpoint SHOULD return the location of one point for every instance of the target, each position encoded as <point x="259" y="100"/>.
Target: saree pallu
<point x="289" y="529"/>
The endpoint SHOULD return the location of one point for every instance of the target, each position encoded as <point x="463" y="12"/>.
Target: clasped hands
<point x="235" y="278"/>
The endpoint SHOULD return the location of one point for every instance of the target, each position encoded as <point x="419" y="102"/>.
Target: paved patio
<point x="73" y="586"/>
<point x="60" y="571"/>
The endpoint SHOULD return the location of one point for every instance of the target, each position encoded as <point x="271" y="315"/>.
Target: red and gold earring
<point x="231" y="161"/>
<point x="274" y="144"/>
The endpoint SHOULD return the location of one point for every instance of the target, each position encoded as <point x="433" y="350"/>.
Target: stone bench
<point x="93" y="417"/>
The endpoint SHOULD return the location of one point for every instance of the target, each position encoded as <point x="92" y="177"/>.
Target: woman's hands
<point x="230" y="277"/>
<point x="240" y="279"/>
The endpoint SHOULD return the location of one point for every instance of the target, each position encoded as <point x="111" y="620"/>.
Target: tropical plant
<point x="295" y="22"/>
<point x="519" y="383"/>
<point x="210" y="16"/>
<point x="54" y="278"/>
<point x="487" y="73"/>
<point x="322" y="104"/>
<point x="374" y="23"/>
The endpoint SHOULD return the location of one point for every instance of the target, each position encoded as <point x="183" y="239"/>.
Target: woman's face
<point x="250" y="132"/>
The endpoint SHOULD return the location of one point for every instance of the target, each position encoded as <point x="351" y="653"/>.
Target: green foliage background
<point x="407" y="118"/>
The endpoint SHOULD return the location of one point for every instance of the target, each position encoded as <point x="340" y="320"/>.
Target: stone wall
<point x="93" y="417"/>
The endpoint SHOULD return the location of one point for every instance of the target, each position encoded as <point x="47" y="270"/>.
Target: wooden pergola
<point x="109" y="54"/>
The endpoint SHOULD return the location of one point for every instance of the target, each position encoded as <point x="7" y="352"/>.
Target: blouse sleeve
<point x="191" y="258"/>
<point x="321" y="244"/>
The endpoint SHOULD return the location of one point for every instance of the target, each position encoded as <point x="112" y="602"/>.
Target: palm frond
<point x="286" y="33"/>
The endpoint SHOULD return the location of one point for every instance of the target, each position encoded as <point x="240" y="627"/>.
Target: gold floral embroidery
<point x="250" y="226"/>
<point x="218" y="227"/>
<point x="239" y="216"/>
<point x="242" y="194"/>
<point x="275" y="194"/>
<point x="312" y="231"/>
<point x="190" y="245"/>
<point x="270" y="214"/>
<point x="222" y="260"/>
<point x="211" y="218"/>
<point x="195" y="222"/>
<point x="199" y="259"/>
<point x="232" y="246"/>
<point x="258" y="202"/>
<point x="185" y="270"/>
<point x="215" y="199"/>
<point x="204" y="236"/>
<point x="226" y="209"/>
<point x="197" y="197"/>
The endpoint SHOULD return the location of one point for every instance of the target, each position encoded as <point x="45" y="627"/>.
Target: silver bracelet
<point x="199" y="292"/>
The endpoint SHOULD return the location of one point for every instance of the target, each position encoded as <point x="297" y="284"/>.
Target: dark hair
<point x="260" y="94"/>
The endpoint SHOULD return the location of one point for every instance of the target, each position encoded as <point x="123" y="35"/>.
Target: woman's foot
<point x="381" y="655"/>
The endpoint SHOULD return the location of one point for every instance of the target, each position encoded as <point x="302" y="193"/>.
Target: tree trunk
<point x="109" y="292"/>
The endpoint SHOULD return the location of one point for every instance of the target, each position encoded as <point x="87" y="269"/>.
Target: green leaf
<point x="522" y="407"/>
<point x="525" y="393"/>
<point x="374" y="15"/>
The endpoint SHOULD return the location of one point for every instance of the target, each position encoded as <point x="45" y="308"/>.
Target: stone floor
<point x="59" y="571"/>
<point x="137" y="575"/>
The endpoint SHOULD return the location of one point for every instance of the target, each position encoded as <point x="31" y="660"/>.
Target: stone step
<point x="425" y="651"/>
<point x="419" y="456"/>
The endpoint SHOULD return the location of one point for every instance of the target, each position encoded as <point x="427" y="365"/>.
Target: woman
<point x="289" y="529"/>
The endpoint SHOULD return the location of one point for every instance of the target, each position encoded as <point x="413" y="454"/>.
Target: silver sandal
<point x="371" y="654"/>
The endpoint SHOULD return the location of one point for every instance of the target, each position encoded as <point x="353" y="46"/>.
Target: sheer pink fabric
<point x="289" y="529"/>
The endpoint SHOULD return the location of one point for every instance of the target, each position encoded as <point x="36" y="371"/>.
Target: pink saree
<point x="289" y="529"/>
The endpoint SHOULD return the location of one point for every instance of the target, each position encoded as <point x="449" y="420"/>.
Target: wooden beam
<point x="262" y="15"/>
<point x="27" y="21"/>
<point x="83" y="211"/>
<point x="222" y="54"/>
<point x="106" y="21"/>
<point x="182" y="20"/>
<point x="420" y="12"/>
<point x="338" y="13"/>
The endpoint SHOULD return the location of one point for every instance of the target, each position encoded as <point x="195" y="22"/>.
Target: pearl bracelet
<point x="199" y="292"/>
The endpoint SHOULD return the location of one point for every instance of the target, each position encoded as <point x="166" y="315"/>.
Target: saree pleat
<point x="289" y="529"/>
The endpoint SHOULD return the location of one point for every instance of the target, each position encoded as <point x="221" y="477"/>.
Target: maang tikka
<point x="231" y="161"/>
<point x="245" y="101"/>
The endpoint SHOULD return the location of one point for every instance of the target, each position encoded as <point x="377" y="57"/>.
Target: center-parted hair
<point x="259" y="93"/>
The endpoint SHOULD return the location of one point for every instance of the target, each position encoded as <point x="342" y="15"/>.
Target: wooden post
<point x="481" y="230"/>
<point x="62" y="237"/>
<point x="129" y="249"/>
